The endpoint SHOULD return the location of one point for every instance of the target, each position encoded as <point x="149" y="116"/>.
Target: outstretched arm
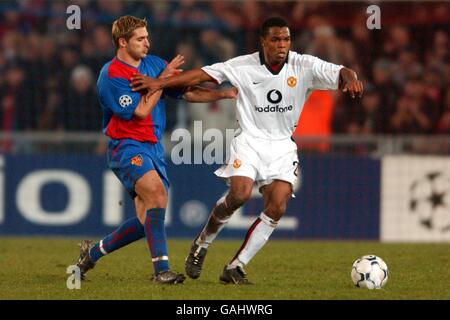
<point x="348" y="82"/>
<point x="201" y="94"/>
<point x="150" y="99"/>
<point x="185" y="79"/>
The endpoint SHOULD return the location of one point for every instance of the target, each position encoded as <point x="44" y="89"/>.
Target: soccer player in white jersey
<point x="273" y="85"/>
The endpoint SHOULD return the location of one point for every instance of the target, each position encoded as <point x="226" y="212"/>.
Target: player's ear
<point x="122" y="42"/>
<point x="261" y="41"/>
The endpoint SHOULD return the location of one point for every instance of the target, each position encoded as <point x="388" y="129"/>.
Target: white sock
<point x="206" y="238"/>
<point x="209" y="238"/>
<point x="256" y="238"/>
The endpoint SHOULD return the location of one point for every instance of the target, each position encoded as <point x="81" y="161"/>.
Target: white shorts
<point x="261" y="160"/>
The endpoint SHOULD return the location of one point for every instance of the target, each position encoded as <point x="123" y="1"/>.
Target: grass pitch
<point x="35" y="268"/>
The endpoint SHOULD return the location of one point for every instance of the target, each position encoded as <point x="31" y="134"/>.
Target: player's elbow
<point x="188" y="96"/>
<point x="194" y="96"/>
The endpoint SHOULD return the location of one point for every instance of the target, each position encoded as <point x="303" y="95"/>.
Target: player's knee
<point x="151" y="190"/>
<point x="154" y="198"/>
<point x="237" y="198"/>
<point x="275" y="210"/>
<point x="156" y="201"/>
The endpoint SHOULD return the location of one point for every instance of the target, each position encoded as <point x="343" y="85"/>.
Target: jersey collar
<point x="263" y="62"/>
<point x="128" y="65"/>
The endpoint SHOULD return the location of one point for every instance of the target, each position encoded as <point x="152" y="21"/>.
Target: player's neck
<point x="274" y="65"/>
<point x="125" y="57"/>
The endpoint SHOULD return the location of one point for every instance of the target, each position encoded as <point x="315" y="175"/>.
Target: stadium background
<point x="376" y="168"/>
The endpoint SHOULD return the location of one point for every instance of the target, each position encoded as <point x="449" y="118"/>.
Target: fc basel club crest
<point x="292" y="81"/>
<point x="137" y="160"/>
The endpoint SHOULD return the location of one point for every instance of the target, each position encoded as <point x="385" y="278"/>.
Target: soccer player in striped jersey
<point x="273" y="85"/>
<point x="135" y="121"/>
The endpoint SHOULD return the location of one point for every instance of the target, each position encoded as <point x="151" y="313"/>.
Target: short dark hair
<point x="272" y="22"/>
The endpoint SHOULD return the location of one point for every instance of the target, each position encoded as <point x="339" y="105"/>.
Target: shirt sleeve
<point x="217" y="71"/>
<point x="325" y="75"/>
<point x="116" y="94"/>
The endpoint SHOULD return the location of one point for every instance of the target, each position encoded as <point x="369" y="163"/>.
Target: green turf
<point x="35" y="268"/>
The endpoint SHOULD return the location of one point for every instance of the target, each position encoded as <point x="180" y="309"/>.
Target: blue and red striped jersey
<point x="118" y="101"/>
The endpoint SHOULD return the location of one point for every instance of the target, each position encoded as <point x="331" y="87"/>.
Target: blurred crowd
<point x="48" y="73"/>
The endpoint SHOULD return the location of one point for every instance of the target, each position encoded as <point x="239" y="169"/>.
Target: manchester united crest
<point x="292" y="81"/>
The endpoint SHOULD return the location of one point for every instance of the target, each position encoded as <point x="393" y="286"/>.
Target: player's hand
<point x="354" y="88"/>
<point x="230" y="93"/>
<point x="140" y="82"/>
<point x="172" y="67"/>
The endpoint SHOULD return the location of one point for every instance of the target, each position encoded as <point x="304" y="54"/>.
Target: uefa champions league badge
<point x="125" y="101"/>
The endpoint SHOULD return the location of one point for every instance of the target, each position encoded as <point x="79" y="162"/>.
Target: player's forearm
<point x="185" y="79"/>
<point x="146" y="105"/>
<point x="201" y="94"/>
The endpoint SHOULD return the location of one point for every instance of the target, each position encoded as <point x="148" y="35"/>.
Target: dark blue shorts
<point x="131" y="159"/>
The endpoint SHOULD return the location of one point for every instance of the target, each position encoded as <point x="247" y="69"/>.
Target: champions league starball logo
<point x="430" y="201"/>
<point x="125" y="101"/>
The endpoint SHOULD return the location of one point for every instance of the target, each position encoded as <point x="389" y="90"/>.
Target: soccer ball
<point x="369" y="272"/>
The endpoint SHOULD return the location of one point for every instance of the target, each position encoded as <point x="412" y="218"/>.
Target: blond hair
<point x="124" y="27"/>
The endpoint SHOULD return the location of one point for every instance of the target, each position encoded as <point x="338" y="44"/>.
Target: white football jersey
<point x="269" y="103"/>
